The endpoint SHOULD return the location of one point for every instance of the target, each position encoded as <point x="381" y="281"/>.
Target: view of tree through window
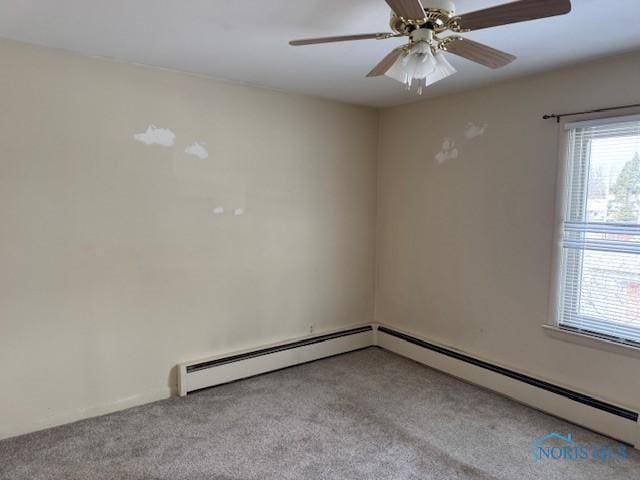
<point x="624" y="205"/>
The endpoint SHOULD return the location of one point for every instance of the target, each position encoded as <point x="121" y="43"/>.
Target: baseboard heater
<point x="226" y="368"/>
<point x="558" y="390"/>
<point x="576" y="407"/>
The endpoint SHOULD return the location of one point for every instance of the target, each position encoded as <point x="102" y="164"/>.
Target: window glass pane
<point x="614" y="180"/>
<point x="610" y="287"/>
<point x="600" y="290"/>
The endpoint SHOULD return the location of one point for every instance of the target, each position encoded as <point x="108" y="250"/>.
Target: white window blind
<point x="600" y="261"/>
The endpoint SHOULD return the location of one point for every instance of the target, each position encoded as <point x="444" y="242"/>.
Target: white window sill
<point x="591" y="341"/>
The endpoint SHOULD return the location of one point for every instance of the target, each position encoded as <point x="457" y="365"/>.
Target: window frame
<point x="553" y="326"/>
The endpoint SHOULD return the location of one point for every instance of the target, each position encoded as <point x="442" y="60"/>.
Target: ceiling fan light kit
<point x="422" y="62"/>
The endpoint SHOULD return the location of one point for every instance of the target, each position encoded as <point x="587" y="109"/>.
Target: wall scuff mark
<point x="156" y="136"/>
<point x="448" y="152"/>
<point x="218" y="211"/>
<point x="472" y="130"/>
<point x="197" y="150"/>
<point x="238" y="211"/>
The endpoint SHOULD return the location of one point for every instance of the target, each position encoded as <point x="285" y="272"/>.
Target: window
<point x="599" y="281"/>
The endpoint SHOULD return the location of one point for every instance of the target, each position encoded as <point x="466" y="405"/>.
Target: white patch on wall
<point x="448" y="152"/>
<point x="156" y="136"/>
<point x="238" y="211"/>
<point x="218" y="211"/>
<point x="472" y="130"/>
<point x="197" y="150"/>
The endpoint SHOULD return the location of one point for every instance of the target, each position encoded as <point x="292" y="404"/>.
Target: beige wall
<point x="113" y="267"/>
<point x="465" y="246"/>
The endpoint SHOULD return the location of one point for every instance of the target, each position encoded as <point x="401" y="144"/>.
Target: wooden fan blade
<point x="385" y="64"/>
<point x="520" y="11"/>
<point x="407" y="9"/>
<point x="343" y="38"/>
<point x="478" y="52"/>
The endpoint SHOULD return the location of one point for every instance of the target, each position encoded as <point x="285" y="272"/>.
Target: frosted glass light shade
<point x="420" y="67"/>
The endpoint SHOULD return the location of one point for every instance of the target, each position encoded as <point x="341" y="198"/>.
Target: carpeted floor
<point x="364" y="415"/>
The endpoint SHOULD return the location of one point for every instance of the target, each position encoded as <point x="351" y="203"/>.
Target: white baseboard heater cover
<point x="612" y="420"/>
<point x="609" y="419"/>
<point x="235" y="366"/>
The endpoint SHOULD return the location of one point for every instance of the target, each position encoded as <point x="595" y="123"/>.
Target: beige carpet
<point x="364" y="415"/>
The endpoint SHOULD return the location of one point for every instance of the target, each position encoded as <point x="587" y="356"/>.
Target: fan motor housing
<point x="436" y="19"/>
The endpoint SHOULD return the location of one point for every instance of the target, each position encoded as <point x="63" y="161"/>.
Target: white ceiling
<point x="246" y="40"/>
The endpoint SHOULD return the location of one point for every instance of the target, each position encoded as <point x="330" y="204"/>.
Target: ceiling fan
<point x="421" y="60"/>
